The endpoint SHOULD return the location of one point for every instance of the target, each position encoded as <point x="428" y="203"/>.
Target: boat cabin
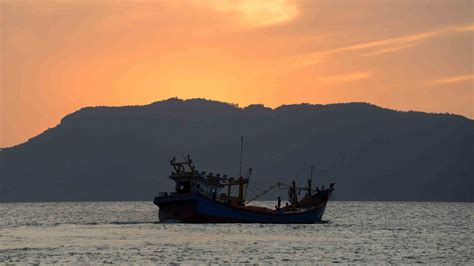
<point x="189" y="180"/>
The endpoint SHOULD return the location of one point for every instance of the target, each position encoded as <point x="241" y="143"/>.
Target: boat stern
<point x="175" y="207"/>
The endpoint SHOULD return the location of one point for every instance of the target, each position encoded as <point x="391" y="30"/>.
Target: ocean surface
<point x="124" y="232"/>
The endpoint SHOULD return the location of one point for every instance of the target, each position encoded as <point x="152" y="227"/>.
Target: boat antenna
<point x="241" y="154"/>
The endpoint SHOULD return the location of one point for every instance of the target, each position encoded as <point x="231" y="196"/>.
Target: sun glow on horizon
<point x="60" y="56"/>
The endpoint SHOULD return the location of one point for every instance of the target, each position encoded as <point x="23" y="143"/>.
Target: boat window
<point x="183" y="187"/>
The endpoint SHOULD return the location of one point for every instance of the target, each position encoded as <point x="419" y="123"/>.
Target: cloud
<point x="379" y="47"/>
<point x="256" y="13"/>
<point x="341" y="78"/>
<point x="453" y="79"/>
<point x="389" y="50"/>
<point x="465" y="28"/>
<point x="390" y="43"/>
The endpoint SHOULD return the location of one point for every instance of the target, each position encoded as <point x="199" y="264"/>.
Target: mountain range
<point x="123" y="153"/>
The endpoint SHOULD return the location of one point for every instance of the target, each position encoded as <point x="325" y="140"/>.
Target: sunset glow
<point x="60" y="56"/>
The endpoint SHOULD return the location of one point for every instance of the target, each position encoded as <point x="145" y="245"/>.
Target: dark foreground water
<point x="118" y="232"/>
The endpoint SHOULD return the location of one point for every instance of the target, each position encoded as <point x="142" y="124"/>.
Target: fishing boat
<point x="211" y="198"/>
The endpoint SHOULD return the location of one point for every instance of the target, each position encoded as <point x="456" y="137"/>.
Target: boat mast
<point x="249" y="173"/>
<point x="241" y="178"/>
<point x="241" y="153"/>
<point x="241" y="190"/>
<point x="294" y="196"/>
<point x="310" y="181"/>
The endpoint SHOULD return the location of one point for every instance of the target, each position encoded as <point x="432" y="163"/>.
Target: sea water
<point x="126" y="232"/>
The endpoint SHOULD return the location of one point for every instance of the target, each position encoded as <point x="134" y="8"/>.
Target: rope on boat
<point x="261" y="194"/>
<point x="253" y="191"/>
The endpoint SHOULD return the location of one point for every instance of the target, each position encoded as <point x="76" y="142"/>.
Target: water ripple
<point x="124" y="232"/>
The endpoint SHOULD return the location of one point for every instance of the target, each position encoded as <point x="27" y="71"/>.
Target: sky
<point x="59" y="56"/>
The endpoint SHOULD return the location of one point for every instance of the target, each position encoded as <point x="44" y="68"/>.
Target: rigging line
<point x="258" y="186"/>
<point x="254" y="186"/>
<point x="270" y="184"/>
<point x="257" y="189"/>
<point x="253" y="189"/>
<point x="256" y="197"/>
<point x="261" y="190"/>
<point x="253" y="192"/>
<point x="261" y="186"/>
<point x="264" y="183"/>
<point x="298" y="174"/>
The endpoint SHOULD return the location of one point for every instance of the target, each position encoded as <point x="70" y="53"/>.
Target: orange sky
<point x="59" y="56"/>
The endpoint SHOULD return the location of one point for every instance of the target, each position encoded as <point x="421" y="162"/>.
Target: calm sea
<point x="122" y="232"/>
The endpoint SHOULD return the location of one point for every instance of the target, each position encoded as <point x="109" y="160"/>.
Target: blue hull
<point x="195" y="208"/>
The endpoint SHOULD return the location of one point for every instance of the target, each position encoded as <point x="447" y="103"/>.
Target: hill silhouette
<point x="122" y="153"/>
